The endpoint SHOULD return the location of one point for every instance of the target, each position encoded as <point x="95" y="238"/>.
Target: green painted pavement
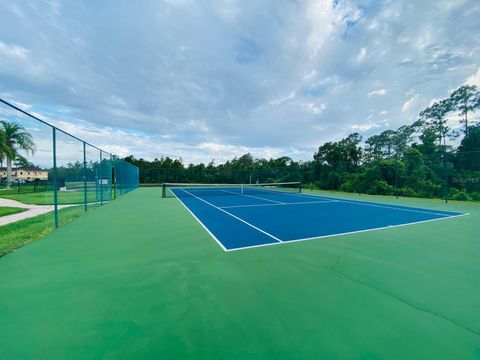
<point x="140" y="279"/>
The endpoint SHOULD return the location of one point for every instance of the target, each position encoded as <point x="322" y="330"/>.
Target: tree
<point x="23" y="162"/>
<point x="404" y="137"/>
<point x="382" y="145"/>
<point x="346" y="151"/>
<point x="435" y="119"/>
<point x="469" y="150"/>
<point x="427" y="147"/>
<point x="465" y="99"/>
<point x="3" y="147"/>
<point x="16" y="139"/>
<point x="414" y="168"/>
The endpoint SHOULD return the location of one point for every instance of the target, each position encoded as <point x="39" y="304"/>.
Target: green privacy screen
<point x="49" y="177"/>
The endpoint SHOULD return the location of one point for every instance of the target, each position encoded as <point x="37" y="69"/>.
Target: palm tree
<point x="15" y="139"/>
<point x="3" y="147"/>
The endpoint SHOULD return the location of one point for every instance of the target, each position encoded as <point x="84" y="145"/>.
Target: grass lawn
<point x="64" y="197"/>
<point x="22" y="232"/>
<point x="4" y="210"/>
<point x="141" y="279"/>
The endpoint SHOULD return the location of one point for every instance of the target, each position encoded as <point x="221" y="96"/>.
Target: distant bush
<point x="456" y="194"/>
<point x="476" y="196"/>
<point x="409" y="192"/>
<point x="381" y="187"/>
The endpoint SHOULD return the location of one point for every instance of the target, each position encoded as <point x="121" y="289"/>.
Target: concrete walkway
<point x="33" y="210"/>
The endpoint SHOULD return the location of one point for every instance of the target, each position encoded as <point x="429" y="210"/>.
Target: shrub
<point x="456" y="194"/>
<point x="407" y="191"/>
<point x="380" y="187"/>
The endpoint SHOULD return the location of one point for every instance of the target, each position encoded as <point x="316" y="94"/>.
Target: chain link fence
<point x="49" y="177"/>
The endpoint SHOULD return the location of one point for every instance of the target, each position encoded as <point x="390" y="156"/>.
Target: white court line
<point x="282" y="204"/>
<point x="202" y="224"/>
<point x="236" y="217"/>
<point x="347" y="233"/>
<point x="255" y="197"/>
<point x="393" y="207"/>
<point x="444" y="217"/>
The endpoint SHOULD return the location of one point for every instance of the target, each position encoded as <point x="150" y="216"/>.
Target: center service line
<point x="236" y="217"/>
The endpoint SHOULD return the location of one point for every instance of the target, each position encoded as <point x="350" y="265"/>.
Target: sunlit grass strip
<point x="46" y="198"/>
<point x="4" y="210"/>
<point x="17" y="234"/>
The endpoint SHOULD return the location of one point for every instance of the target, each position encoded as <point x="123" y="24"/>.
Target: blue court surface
<point x="261" y="217"/>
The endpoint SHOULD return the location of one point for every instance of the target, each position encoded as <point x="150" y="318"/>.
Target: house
<point x="26" y="174"/>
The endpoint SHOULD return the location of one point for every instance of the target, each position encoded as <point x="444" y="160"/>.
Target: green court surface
<point x="140" y="279"/>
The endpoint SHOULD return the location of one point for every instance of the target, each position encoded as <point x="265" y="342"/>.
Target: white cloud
<point x="369" y="126"/>
<point x="230" y="76"/>
<point x="361" y="55"/>
<point x="13" y="51"/>
<point x="322" y="18"/>
<point x="313" y="108"/>
<point x="310" y="75"/>
<point x="474" y="79"/>
<point x="407" y="105"/>
<point x="281" y="100"/>
<point x="378" y="92"/>
<point x="229" y="10"/>
<point x="364" y="127"/>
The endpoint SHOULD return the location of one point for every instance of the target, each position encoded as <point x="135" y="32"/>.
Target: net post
<point x="164" y="190"/>
<point x="300" y="187"/>
<point x="55" y="177"/>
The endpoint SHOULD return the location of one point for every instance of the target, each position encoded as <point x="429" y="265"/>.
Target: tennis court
<point x="244" y="216"/>
<point x="139" y="278"/>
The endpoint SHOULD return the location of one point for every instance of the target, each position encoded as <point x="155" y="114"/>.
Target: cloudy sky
<point x="213" y="79"/>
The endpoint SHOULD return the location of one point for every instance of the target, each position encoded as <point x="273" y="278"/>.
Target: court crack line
<point x="334" y="268"/>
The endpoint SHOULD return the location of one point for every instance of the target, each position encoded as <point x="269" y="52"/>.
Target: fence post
<point x="101" y="179"/>
<point x="85" y="176"/>
<point x="55" y="178"/>
<point x="113" y="175"/>
<point x="396" y="179"/>
<point x="357" y="180"/>
<point x="446" y="176"/>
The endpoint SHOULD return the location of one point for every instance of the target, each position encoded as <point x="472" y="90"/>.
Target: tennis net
<point x="202" y="190"/>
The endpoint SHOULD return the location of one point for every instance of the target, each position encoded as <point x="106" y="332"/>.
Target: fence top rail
<point x="52" y="126"/>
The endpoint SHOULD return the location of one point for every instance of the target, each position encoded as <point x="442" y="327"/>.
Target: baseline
<point x="347" y="233"/>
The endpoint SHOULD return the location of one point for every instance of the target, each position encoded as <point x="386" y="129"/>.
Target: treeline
<point x="413" y="160"/>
